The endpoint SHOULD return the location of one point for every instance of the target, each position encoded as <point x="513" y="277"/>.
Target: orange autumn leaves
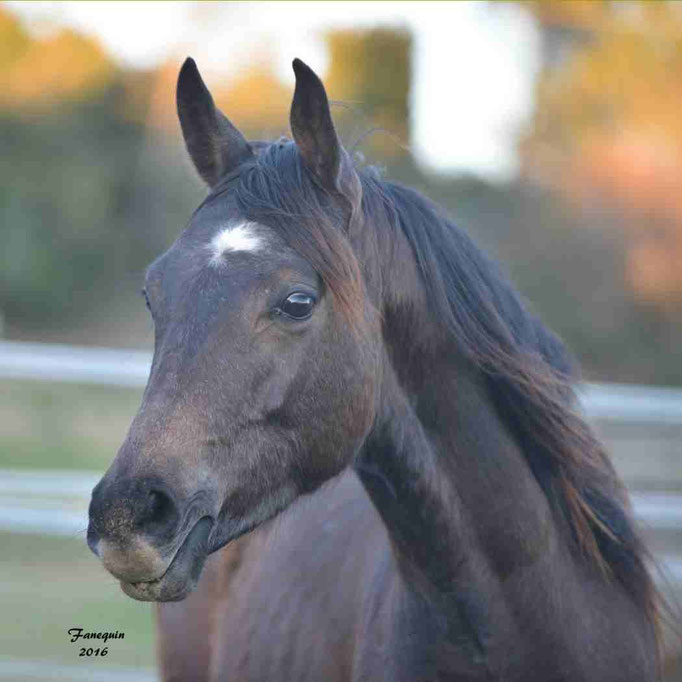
<point x="35" y="72"/>
<point x="607" y="131"/>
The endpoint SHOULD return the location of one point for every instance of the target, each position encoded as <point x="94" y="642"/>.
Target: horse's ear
<point x="215" y="146"/>
<point x="314" y="133"/>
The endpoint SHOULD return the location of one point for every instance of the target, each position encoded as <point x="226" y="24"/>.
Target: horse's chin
<point x="182" y="574"/>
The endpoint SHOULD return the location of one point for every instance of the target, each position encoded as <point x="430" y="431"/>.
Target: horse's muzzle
<point x="182" y="574"/>
<point x="149" y="537"/>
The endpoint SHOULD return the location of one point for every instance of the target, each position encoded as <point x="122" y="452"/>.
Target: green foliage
<point x="85" y="200"/>
<point x="89" y="195"/>
<point x="572" y="272"/>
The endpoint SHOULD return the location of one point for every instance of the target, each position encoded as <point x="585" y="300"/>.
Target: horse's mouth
<point x="182" y="574"/>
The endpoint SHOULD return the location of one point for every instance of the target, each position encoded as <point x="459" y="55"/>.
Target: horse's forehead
<point x="221" y="217"/>
<point x="218" y="240"/>
<point x="234" y="237"/>
<point x="217" y="233"/>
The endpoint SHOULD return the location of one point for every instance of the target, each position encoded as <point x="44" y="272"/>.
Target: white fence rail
<point x="76" y="364"/>
<point x="619" y="403"/>
<point x="56" y="502"/>
<point x="115" y="367"/>
<point x="17" y="670"/>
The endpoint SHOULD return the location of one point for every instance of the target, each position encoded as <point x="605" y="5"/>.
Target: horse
<point x="359" y="455"/>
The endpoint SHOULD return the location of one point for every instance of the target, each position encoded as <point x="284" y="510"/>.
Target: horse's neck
<point x="471" y="530"/>
<point x="458" y="500"/>
<point x="446" y="475"/>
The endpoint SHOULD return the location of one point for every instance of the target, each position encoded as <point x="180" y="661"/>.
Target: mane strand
<point x="530" y="376"/>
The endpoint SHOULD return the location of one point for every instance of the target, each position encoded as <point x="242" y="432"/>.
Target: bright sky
<point x="474" y="63"/>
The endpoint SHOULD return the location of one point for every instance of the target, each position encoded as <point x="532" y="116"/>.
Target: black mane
<point x="528" y="370"/>
<point x="531" y="377"/>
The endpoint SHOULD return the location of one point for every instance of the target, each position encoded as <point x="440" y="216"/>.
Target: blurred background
<point x="551" y="132"/>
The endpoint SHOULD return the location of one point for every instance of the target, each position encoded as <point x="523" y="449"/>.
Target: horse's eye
<point x="298" y="306"/>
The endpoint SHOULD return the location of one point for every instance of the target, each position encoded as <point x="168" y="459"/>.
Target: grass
<point x="63" y="426"/>
<point x="49" y="585"/>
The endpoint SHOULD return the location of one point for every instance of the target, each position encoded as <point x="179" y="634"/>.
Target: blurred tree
<point x="14" y="39"/>
<point x="98" y="184"/>
<point x="607" y="132"/>
<point x="370" y="72"/>
<point x="41" y="71"/>
<point x="256" y="101"/>
<point x="574" y="277"/>
<point x="85" y="201"/>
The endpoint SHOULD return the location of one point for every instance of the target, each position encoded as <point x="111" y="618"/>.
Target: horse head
<point x="263" y="378"/>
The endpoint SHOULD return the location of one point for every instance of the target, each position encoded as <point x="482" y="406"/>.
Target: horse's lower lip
<point x="183" y="572"/>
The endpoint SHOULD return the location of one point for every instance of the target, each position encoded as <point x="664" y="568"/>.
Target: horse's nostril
<point x="129" y="506"/>
<point x="159" y="511"/>
<point x="159" y="506"/>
